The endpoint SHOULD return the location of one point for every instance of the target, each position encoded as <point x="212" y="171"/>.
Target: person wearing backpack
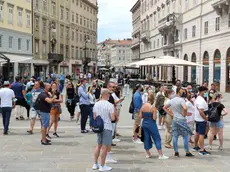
<point x="105" y="110"/>
<point x="216" y="123"/>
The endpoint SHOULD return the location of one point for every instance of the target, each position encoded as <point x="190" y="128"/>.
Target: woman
<point x="217" y="127"/>
<point x="168" y="121"/>
<point x="190" y="114"/>
<point x="55" y="110"/>
<point x="149" y="115"/>
<point x="160" y="99"/>
<point x="70" y="101"/>
<point x="92" y="101"/>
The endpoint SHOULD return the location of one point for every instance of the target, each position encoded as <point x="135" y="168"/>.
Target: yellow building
<point x="16" y="36"/>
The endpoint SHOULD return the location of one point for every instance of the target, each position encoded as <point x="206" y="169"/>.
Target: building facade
<point x="193" y="30"/>
<point x="16" y="38"/>
<point x="65" y="36"/>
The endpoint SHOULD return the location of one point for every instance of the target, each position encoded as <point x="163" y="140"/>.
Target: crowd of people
<point x="179" y="111"/>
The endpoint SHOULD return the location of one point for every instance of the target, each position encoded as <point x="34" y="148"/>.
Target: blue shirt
<point x="34" y="95"/>
<point x="137" y="101"/>
<point x="28" y="97"/>
<point x="62" y="77"/>
<point x="18" y="87"/>
<point x="84" y="97"/>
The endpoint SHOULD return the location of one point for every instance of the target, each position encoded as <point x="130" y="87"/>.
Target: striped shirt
<point x="105" y="110"/>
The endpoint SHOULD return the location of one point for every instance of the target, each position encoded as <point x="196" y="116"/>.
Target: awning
<point x="14" y="58"/>
<point x="38" y="62"/>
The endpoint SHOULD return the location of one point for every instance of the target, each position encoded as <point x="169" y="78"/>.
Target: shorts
<point x="113" y="128"/>
<point x="77" y="108"/>
<point x="55" y="111"/>
<point x="45" y="118"/>
<point x="137" y="118"/>
<point x="104" y="138"/>
<point x="34" y="113"/>
<point x="191" y="125"/>
<point x="201" y="127"/>
<point x="219" y="124"/>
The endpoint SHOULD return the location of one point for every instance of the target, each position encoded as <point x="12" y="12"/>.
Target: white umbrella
<point x="105" y="69"/>
<point x="168" y="61"/>
<point x="138" y="63"/>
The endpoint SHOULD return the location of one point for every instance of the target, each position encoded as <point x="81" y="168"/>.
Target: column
<point x="15" y="69"/>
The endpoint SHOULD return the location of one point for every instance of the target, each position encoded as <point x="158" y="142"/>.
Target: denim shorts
<point x="201" y="127"/>
<point x="219" y="124"/>
<point x="104" y="138"/>
<point x="45" y="117"/>
<point x="34" y="113"/>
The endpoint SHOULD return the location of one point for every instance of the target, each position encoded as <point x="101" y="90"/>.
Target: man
<point x="201" y="119"/>
<point x="7" y="103"/>
<point x="20" y="95"/>
<point x="34" y="113"/>
<point x="179" y="112"/>
<point x="137" y="101"/>
<point x="205" y="84"/>
<point x="45" y="101"/>
<point x="104" y="139"/>
<point x="29" y="83"/>
<point x="189" y="88"/>
<point x="84" y="105"/>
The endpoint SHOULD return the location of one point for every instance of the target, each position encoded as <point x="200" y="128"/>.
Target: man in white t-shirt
<point x="7" y="103"/>
<point x="104" y="140"/>
<point x="201" y="119"/>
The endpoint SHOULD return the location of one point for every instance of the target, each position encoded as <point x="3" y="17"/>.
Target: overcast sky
<point x="115" y="19"/>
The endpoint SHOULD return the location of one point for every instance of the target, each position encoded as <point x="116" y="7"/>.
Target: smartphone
<point x="15" y="99"/>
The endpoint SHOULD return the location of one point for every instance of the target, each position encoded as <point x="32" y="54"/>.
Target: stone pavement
<point x="73" y="151"/>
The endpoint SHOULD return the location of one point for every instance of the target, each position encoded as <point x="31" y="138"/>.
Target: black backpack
<point x="213" y="115"/>
<point x="131" y="107"/>
<point x="37" y="102"/>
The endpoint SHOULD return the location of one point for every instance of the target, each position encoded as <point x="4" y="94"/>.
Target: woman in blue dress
<point x="149" y="115"/>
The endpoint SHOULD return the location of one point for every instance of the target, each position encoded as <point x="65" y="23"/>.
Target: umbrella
<point x="105" y="69"/>
<point x="138" y="63"/>
<point x="167" y="61"/>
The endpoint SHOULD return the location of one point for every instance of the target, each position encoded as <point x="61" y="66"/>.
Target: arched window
<point x="206" y="67"/>
<point x="186" y="69"/>
<point x="217" y="66"/>
<point x="193" y="69"/>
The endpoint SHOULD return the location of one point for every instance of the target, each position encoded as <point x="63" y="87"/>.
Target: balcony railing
<point x="145" y="37"/>
<point x="55" y="57"/>
<point x="135" y="43"/>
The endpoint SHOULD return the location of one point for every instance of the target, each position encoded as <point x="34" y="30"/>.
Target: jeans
<point x="6" y="113"/>
<point x="85" y="112"/>
<point x="175" y="143"/>
<point x="91" y="116"/>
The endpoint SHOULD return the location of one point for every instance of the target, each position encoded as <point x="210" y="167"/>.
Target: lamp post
<point x="87" y="59"/>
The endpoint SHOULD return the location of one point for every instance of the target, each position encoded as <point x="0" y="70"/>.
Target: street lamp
<point x="87" y="59"/>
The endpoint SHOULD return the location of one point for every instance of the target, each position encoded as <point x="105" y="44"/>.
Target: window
<point x="87" y="23"/>
<point x="1" y="11"/>
<point x="44" y="47"/>
<point x="36" y="46"/>
<point x="80" y="20"/>
<point x="36" y="23"/>
<point x="19" y="43"/>
<point x="206" y="27"/>
<point x="72" y="35"/>
<point x="185" y="33"/>
<point x="91" y="24"/>
<point x="194" y="2"/>
<point x="73" y="17"/>
<point x="72" y="52"/>
<point x="0" y="40"/>
<point x="186" y="5"/>
<point x="19" y="17"/>
<point x="10" y="42"/>
<point x="194" y="31"/>
<point x="84" y="22"/>
<point x="44" y="25"/>
<point x="62" y="31"/>
<point x="80" y="37"/>
<point x="76" y="2"/>
<point x="158" y="42"/>
<point x="67" y="14"/>
<point x="88" y="8"/>
<point x="76" y="18"/>
<point x="27" y="45"/>
<point x="80" y="3"/>
<point x="62" y="13"/>
<point x="76" y="36"/>
<point x="10" y="15"/>
<point x="217" y="24"/>
<point x="36" y="4"/>
<point x="54" y="8"/>
<point x="67" y="33"/>
<point x="44" y="5"/>
<point x="27" y="19"/>
<point x="94" y="26"/>
<point x="84" y="7"/>
<point x="76" y="52"/>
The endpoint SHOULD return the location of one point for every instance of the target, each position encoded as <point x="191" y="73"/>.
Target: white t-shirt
<point x="145" y="97"/>
<point x="6" y="96"/>
<point x="200" y="103"/>
<point x="116" y="99"/>
<point x="105" y="110"/>
<point x="92" y="98"/>
<point x="191" y="109"/>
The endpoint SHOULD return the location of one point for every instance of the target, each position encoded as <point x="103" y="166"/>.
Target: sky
<point x="115" y="19"/>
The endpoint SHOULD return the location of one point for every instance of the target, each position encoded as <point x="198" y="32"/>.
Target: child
<point x="28" y="98"/>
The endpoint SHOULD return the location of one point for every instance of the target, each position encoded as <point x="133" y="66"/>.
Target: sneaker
<point x="45" y="143"/>
<point x="220" y="147"/>
<point x="188" y="154"/>
<point x="84" y="131"/>
<point x="204" y="152"/>
<point x="96" y="166"/>
<point x="148" y="156"/>
<point x="48" y="136"/>
<point x="30" y="132"/>
<point x="110" y="160"/>
<point x="105" y="168"/>
<point x="55" y="134"/>
<point x="116" y="140"/>
<point x="22" y="118"/>
<point x="163" y="157"/>
<point x="177" y="154"/>
<point x="138" y="141"/>
<point x="196" y="149"/>
<point x="17" y="118"/>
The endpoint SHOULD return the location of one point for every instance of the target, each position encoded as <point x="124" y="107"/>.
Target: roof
<point x="117" y="42"/>
<point x="135" y="6"/>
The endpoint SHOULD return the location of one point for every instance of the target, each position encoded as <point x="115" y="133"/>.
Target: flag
<point x="103" y="45"/>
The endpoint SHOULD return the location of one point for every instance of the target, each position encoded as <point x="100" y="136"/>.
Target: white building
<point x="194" y="30"/>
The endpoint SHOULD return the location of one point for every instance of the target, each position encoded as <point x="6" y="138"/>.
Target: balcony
<point x="53" y="57"/>
<point x="168" y="23"/>
<point x="221" y="6"/>
<point x="86" y="60"/>
<point x="135" y="43"/>
<point x="145" y="37"/>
